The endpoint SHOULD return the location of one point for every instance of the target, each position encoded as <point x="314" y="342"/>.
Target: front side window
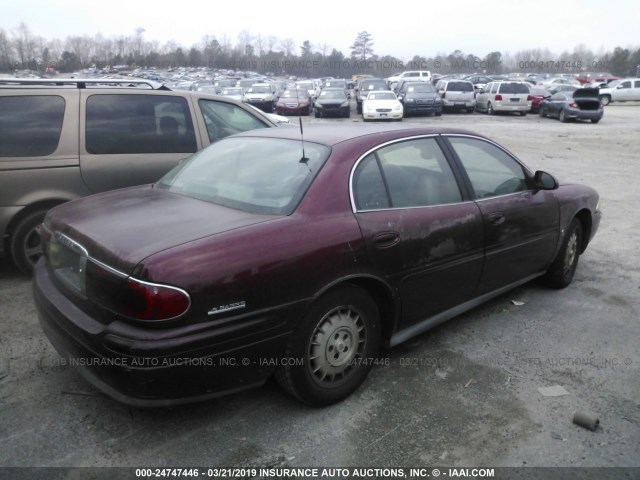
<point x="30" y="126"/>
<point x="492" y="171"/>
<point x="126" y="124"/>
<point x="257" y="175"/>
<point x="625" y="85"/>
<point x="412" y="173"/>
<point x="223" y="119"/>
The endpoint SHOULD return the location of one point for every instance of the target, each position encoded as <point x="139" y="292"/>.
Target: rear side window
<point x="413" y="173"/>
<point x="30" y="126"/>
<point x="125" y="124"/>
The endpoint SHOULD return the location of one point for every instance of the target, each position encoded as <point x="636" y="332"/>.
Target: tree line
<point x="20" y="49"/>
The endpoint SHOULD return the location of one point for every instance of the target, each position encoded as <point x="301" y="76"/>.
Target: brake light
<point x="498" y="97"/>
<point x="134" y="298"/>
<point x="151" y="301"/>
<point x="529" y="98"/>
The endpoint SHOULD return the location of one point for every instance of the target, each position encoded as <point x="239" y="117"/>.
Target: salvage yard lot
<point x="463" y="394"/>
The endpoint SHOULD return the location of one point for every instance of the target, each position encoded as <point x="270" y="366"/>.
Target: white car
<point x="625" y="90"/>
<point x="413" y="75"/>
<point x="382" y="105"/>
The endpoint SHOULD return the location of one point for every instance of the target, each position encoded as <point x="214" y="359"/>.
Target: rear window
<point x="514" y="88"/>
<point x="460" y="87"/>
<point x="30" y="126"/>
<point x="257" y="175"/>
<point x="125" y="124"/>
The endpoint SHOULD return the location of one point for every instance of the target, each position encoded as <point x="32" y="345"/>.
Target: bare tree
<point x="288" y="46"/>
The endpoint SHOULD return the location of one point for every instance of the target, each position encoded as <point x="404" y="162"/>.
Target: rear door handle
<point x="496" y="218"/>
<point x="386" y="239"/>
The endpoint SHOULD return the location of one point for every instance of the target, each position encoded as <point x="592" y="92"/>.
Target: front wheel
<point x="595" y="120"/>
<point x="605" y="100"/>
<point x="560" y="273"/>
<point x="25" y="242"/>
<point x="335" y="344"/>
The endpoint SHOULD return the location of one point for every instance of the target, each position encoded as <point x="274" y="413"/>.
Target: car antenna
<point x="304" y="159"/>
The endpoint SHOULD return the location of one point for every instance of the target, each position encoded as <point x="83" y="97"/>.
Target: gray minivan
<point x="63" y="139"/>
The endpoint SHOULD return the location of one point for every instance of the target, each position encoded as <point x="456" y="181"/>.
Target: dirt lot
<point x="464" y="394"/>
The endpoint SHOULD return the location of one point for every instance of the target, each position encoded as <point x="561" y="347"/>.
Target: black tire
<point x="595" y="120"/>
<point x="25" y="242"/>
<point x="347" y="114"/>
<point x="560" y="273"/>
<point x="562" y="117"/>
<point x="470" y="110"/>
<point x="489" y="109"/>
<point x="605" y="100"/>
<point x="439" y="113"/>
<point x="523" y="114"/>
<point x="317" y="114"/>
<point x="358" y="107"/>
<point x="541" y="112"/>
<point x="336" y="341"/>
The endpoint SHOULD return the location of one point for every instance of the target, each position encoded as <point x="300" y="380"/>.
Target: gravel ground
<point x="462" y="395"/>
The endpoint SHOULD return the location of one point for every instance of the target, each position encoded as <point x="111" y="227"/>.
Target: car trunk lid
<point x="587" y="98"/>
<point x="137" y="222"/>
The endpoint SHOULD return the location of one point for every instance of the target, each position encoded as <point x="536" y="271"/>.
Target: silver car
<point x="504" y="96"/>
<point x="457" y="94"/>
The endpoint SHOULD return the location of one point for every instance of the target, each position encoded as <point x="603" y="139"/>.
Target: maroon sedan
<point x="294" y="102"/>
<point x="268" y="253"/>
<point x="537" y="96"/>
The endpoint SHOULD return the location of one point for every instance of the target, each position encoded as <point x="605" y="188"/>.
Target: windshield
<point x="333" y="94"/>
<point x="420" y="87"/>
<point x="257" y="175"/>
<point x="381" y="96"/>
<point x="259" y="89"/>
<point x="295" y="94"/>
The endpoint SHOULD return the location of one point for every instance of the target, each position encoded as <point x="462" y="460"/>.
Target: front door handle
<point x="496" y="218"/>
<point x="386" y="239"/>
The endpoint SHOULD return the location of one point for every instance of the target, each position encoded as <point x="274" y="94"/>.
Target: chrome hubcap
<point x="338" y="339"/>
<point x="571" y="252"/>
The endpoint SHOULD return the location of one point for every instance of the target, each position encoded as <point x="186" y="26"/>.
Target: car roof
<point x="335" y="134"/>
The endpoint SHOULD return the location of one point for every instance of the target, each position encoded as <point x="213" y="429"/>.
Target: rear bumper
<point x="509" y="107"/>
<point x="584" y="114"/>
<point x="458" y="104"/>
<point x="145" y="367"/>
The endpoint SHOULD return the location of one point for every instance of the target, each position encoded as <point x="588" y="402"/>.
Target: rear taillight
<point x="573" y="105"/>
<point x="498" y="97"/>
<point x="134" y="298"/>
<point x="529" y="98"/>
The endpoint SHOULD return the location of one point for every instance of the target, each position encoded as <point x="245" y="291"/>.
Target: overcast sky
<point x="401" y="29"/>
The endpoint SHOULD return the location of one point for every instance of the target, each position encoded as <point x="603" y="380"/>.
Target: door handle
<point x="496" y="218"/>
<point x="386" y="239"/>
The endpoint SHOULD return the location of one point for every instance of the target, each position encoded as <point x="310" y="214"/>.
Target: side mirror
<point x="400" y="97"/>
<point x="544" y="181"/>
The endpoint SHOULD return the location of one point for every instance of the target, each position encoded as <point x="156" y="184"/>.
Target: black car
<point x="582" y="104"/>
<point x="368" y="85"/>
<point x="419" y="98"/>
<point x="333" y="102"/>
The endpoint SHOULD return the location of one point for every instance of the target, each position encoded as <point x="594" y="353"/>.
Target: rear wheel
<point x="335" y="343"/>
<point x="25" y="242"/>
<point x="541" y="112"/>
<point x="523" y="114"/>
<point x="562" y="117"/>
<point x="595" y="120"/>
<point x="560" y="273"/>
<point x="489" y="109"/>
